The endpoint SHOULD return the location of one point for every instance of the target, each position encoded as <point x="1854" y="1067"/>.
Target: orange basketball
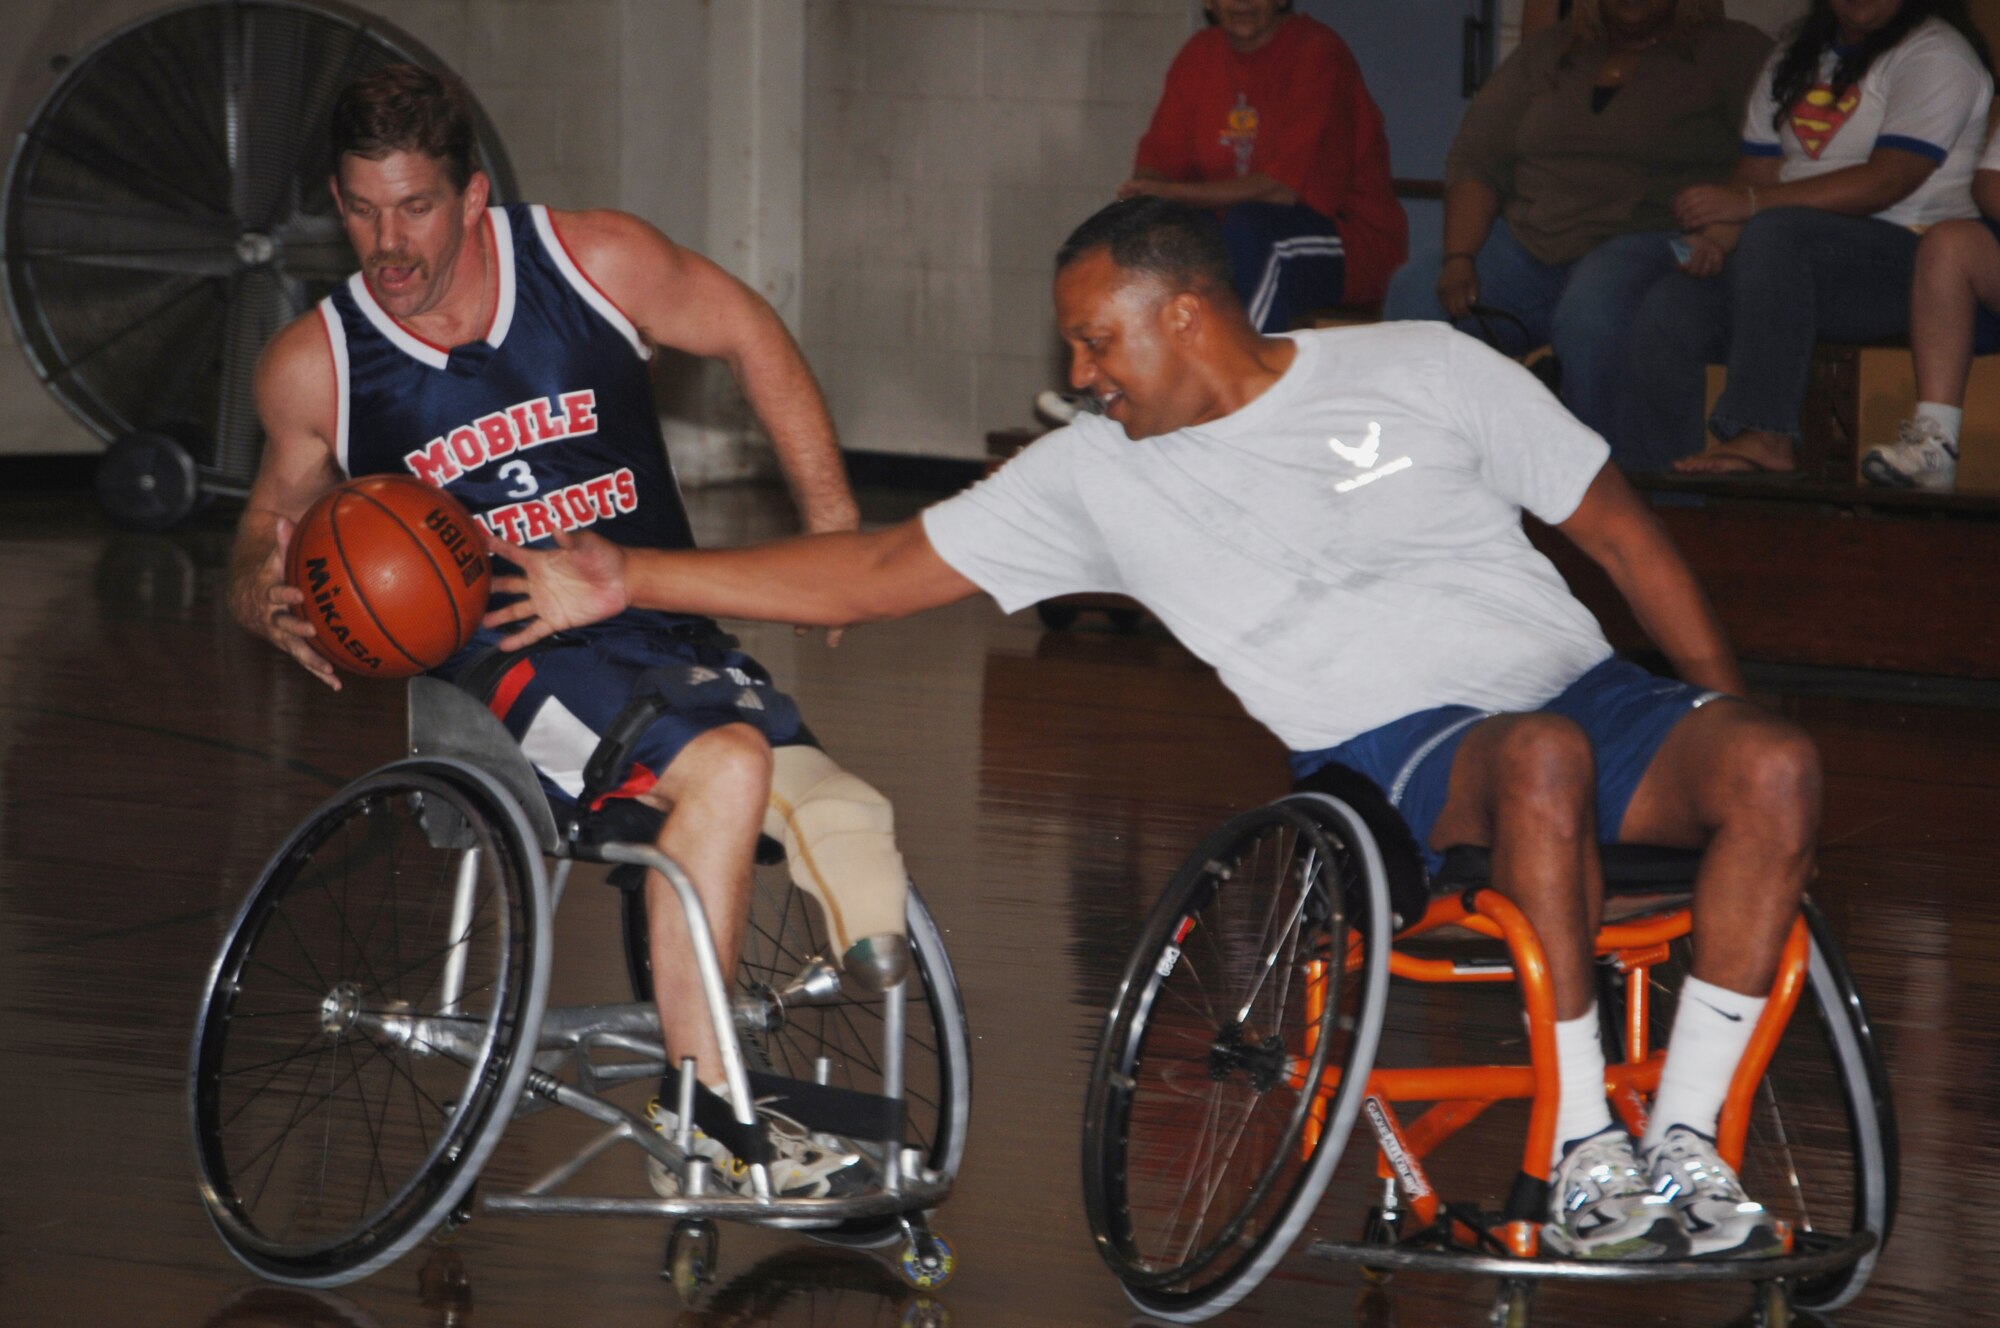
<point x="394" y="572"/>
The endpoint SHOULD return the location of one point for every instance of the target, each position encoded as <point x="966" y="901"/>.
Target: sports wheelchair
<point x="377" y="1018"/>
<point x="1254" y="1025"/>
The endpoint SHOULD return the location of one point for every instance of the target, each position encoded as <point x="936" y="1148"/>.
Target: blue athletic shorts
<point x="1625" y="711"/>
<point x="559" y="700"/>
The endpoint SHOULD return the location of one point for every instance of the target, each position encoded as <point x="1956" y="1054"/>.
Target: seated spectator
<point x="1954" y="315"/>
<point x="1266" y="119"/>
<point x="1560" y="184"/>
<point x="1862" y="133"/>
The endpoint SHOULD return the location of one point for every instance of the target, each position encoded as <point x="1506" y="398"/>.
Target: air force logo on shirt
<point x="1364" y="458"/>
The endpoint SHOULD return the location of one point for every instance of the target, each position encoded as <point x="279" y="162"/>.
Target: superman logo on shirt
<point x="1818" y="116"/>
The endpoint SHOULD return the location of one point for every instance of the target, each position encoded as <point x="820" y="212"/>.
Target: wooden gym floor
<point x="151" y="756"/>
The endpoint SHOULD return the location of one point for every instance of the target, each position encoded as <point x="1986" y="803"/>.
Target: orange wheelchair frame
<point x="1242" y="1049"/>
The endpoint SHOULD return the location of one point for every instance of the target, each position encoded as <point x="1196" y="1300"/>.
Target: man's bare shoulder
<point x="295" y="378"/>
<point x="606" y="238"/>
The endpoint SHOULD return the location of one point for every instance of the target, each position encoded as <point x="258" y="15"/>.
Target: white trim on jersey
<point x="336" y="341"/>
<point x="592" y="296"/>
<point x="415" y="347"/>
<point x="559" y="744"/>
<point x="1299" y="246"/>
<point x="503" y="262"/>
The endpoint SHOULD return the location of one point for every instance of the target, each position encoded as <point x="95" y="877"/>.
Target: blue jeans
<point x="1583" y="310"/>
<point x="1798" y="276"/>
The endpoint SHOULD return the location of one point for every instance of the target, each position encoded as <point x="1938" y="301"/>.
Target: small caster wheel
<point x="690" y="1259"/>
<point x="1512" y="1305"/>
<point x="928" y="1261"/>
<point x="455" y="1220"/>
<point x="1381" y="1228"/>
<point x="1055" y="617"/>
<point x="1374" y="1308"/>
<point x="442" y="1286"/>
<point x="148" y="481"/>
<point x="923" y="1312"/>
<point x="1774" y="1305"/>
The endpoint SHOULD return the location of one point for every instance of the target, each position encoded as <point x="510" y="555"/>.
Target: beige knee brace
<point x="840" y="841"/>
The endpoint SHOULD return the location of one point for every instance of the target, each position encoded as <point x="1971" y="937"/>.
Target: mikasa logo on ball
<point x="323" y="599"/>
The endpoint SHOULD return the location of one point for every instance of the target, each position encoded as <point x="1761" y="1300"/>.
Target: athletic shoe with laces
<point x="803" y="1166"/>
<point x="1922" y="457"/>
<point x="1721" y="1221"/>
<point x="1602" y="1205"/>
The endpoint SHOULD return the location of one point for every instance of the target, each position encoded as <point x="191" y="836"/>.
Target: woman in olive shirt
<point x="1560" y="184"/>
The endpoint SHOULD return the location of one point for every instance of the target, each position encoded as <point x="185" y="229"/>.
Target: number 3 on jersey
<point x="522" y="476"/>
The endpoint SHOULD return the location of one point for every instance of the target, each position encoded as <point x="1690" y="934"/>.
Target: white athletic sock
<point x="1711" y="1029"/>
<point x="1948" y="417"/>
<point x="1582" y="1110"/>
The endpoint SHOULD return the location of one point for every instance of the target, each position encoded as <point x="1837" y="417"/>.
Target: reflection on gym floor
<point x="1046" y="784"/>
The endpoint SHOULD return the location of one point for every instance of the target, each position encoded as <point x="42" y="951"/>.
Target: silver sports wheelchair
<point x="376" y="1020"/>
<point x="1257" y="1022"/>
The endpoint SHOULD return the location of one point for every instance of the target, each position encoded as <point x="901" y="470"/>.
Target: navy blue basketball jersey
<point x="546" y="423"/>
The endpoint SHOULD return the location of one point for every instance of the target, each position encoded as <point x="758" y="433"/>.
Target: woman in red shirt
<point x="1266" y="119"/>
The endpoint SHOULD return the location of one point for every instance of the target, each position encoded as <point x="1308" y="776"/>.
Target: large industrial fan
<point x="166" y="211"/>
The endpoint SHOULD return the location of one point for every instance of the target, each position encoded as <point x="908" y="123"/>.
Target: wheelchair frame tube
<point x="714" y="992"/>
<point x="461" y="918"/>
<point x="893" y="1002"/>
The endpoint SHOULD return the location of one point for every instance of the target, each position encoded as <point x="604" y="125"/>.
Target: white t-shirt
<point x="1927" y="94"/>
<point x="1345" y="550"/>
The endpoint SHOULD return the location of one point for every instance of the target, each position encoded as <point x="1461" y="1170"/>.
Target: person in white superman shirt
<point x="1333" y="520"/>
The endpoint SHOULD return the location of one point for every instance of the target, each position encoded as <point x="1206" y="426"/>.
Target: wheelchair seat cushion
<point x="1628" y="868"/>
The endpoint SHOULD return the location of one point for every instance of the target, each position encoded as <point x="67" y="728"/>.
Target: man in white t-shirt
<point x="1954" y="315"/>
<point x="1332" y="519"/>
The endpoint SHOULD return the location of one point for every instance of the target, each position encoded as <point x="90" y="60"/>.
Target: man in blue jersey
<point x="501" y="354"/>
<point x="1333" y="520"/>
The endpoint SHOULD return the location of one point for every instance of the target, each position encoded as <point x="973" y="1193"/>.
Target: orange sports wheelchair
<point x="1256" y="1021"/>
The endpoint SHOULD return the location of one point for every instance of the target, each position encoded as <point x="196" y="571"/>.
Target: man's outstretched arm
<point x="1621" y="534"/>
<point x="818" y="580"/>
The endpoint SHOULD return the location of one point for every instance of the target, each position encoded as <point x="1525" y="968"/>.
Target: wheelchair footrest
<point x="824" y="1108"/>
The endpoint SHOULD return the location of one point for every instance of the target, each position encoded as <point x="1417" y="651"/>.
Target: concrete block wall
<point x="950" y="146"/>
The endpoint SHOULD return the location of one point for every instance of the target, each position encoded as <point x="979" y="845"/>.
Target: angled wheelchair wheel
<point x="1821" y="1152"/>
<point x="369" y="1023"/>
<point x="783" y="939"/>
<point x="1234" y="1058"/>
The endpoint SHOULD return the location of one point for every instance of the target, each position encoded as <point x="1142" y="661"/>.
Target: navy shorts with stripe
<point x="1625" y="711"/>
<point x="1285" y="260"/>
<point x="560" y="699"/>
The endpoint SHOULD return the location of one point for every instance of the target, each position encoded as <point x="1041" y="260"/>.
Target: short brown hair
<point x="406" y="108"/>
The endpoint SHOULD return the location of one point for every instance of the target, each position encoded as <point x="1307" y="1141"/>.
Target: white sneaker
<point x="1922" y="457"/>
<point x="802" y="1166"/>
<point x="1721" y="1221"/>
<point x="1602" y="1205"/>
<point x="1063" y="407"/>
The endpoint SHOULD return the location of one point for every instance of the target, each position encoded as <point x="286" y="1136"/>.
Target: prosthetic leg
<point x="840" y="843"/>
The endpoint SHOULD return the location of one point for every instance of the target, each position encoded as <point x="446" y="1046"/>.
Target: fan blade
<point x="258" y="307"/>
<point x="124" y="235"/>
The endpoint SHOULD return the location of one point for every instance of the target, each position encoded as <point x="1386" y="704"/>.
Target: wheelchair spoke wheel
<point x="354" y="1061"/>
<point x="1233" y="1059"/>
<point x="1821" y="1149"/>
<point x="784" y="935"/>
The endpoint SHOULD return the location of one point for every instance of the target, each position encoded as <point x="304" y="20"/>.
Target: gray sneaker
<point x="1922" y="457"/>
<point x="1602" y="1205"/>
<point x="1721" y="1221"/>
<point x="802" y="1166"/>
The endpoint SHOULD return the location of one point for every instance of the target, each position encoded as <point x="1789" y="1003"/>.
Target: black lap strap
<point x="680" y="689"/>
